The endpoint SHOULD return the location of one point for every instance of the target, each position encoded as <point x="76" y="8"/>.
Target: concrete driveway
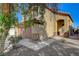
<point x="50" y="47"/>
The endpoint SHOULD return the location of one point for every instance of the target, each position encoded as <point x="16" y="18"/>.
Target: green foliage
<point x="2" y="54"/>
<point x="1" y="30"/>
<point x="27" y="11"/>
<point x="7" y="21"/>
<point x="23" y="8"/>
<point x="28" y="23"/>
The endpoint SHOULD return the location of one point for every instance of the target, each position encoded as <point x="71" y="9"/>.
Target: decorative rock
<point x="8" y="45"/>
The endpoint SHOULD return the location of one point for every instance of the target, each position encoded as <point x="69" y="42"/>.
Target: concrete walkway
<point x="35" y="46"/>
<point x="74" y="42"/>
<point x="50" y="47"/>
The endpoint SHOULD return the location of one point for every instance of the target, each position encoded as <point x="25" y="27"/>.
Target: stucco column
<point x="55" y="25"/>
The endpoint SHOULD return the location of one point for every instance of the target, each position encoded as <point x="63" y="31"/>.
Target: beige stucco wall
<point x="60" y="17"/>
<point x="49" y="20"/>
<point x="67" y="21"/>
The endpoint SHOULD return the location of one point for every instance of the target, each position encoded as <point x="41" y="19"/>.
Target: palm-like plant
<point x="6" y="21"/>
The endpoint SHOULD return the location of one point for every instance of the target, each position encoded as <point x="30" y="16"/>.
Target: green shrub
<point x="2" y="54"/>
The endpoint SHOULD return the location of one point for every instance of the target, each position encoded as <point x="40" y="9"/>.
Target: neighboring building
<point x="76" y="31"/>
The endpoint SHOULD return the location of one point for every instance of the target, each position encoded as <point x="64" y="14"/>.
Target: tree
<point x="37" y="16"/>
<point x="36" y="11"/>
<point x="26" y="14"/>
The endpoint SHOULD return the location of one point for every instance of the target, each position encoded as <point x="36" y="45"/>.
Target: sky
<point x="70" y="8"/>
<point x="73" y="10"/>
<point x="19" y="17"/>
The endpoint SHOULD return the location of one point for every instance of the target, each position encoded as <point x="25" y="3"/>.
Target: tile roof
<point x="61" y="13"/>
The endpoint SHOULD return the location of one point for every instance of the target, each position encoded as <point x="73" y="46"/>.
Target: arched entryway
<point x="60" y="26"/>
